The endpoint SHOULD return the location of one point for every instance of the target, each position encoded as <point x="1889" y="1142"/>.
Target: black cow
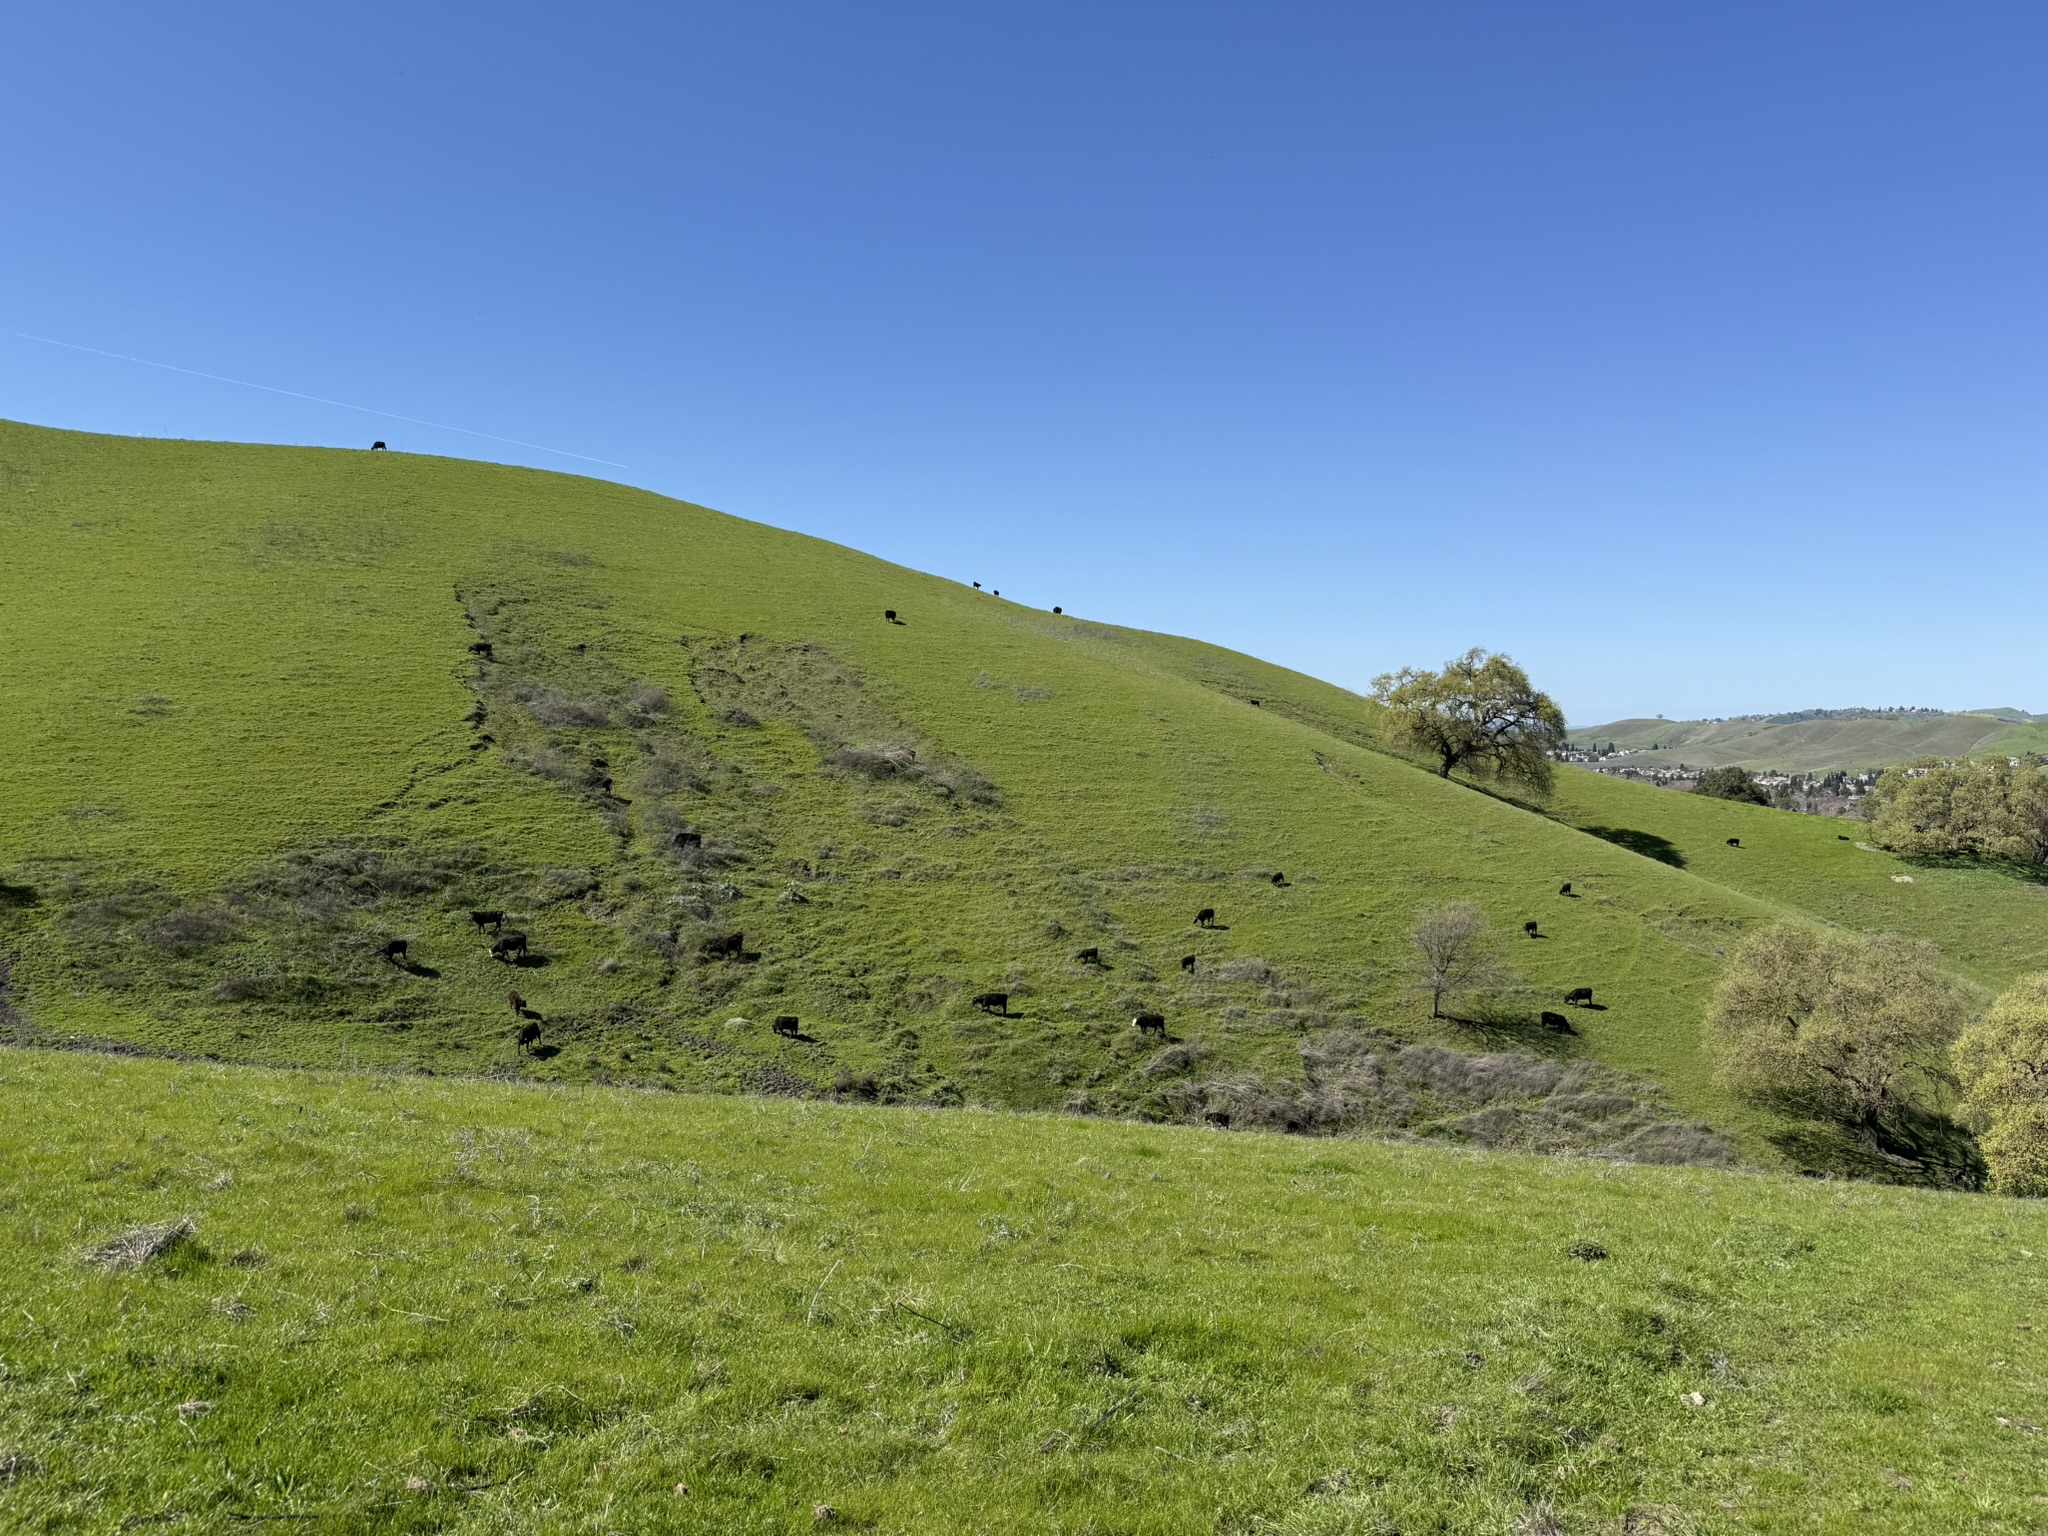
<point x="1253" y="702"/>
<point x="992" y="1002"/>
<point x="394" y="951"/>
<point x="1841" y="837"/>
<point x="998" y="592"/>
<point x="1530" y="929"/>
<point x="1579" y="996"/>
<point x="377" y="447"/>
<point x="1187" y="963"/>
<point x="977" y="586"/>
<point x="528" y="1036"/>
<point x="685" y="841"/>
<point x="786" y="1026"/>
<point x="1734" y="842"/>
<point x="488" y="919"/>
<point x="1565" y="889"/>
<point x="1279" y="878"/>
<point x="482" y="649"/>
<point x="890" y="615"/>
<point x="1558" y="1023"/>
<point x="1055" y="607"/>
<point x="508" y="943"/>
<point x="1090" y="956"/>
<point x="732" y="945"/>
<point x="1205" y="917"/>
<point x="1150" y="1024"/>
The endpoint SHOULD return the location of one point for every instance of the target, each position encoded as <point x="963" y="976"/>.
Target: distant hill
<point x="1811" y="741"/>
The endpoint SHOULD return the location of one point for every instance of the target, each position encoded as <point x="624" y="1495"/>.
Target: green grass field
<point x="1816" y="746"/>
<point x="249" y="740"/>
<point x="418" y="1304"/>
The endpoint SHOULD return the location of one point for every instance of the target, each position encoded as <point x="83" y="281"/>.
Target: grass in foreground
<point x="413" y="1304"/>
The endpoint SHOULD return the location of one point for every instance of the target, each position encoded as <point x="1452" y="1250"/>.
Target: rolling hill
<point x="273" y="708"/>
<point x="270" y="710"/>
<point x="1817" y="742"/>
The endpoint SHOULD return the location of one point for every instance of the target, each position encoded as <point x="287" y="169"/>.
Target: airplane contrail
<point x="367" y="410"/>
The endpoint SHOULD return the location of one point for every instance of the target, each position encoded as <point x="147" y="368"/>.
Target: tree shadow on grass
<point x="1648" y="844"/>
<point x="1512" y="1023"/>
<point x="1914" y="1147"/>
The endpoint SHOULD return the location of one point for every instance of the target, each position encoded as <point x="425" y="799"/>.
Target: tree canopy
<point x="2003" y="1063"/>
<point x="1989" y="808"/>
<point x="1848" y="1028"/>
<point x="1454" y="952"/>
<point x="1730" y="784"/>
<point x="1480" y="713"/>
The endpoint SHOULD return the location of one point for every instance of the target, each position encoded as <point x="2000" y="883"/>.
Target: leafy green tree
<point x="1480" y="713"/>
<point x="1454" y="952"/>
<point x="1990" y="808"/>
<point x="1731" y="784"/>
<point x="2002" y="1061"/>
<point x="1856" y="1030"/>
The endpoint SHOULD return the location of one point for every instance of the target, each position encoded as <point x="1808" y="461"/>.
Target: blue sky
<point x="1692" y="355"/>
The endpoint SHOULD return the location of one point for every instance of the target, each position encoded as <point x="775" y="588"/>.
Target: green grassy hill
<point x="1855" y="743"/>
<point x="249" y="742"/>
<point x="428" y="1305"/>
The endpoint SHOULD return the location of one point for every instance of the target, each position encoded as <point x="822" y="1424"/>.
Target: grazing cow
<point x="1150" y="1024"/>
<point x="1279" y="878"/>
<point x="992" y="1002"/>
<point x="1530" y="929"/>
<point x="1734" y="842"/>
<point x="732" y="945"/>
<point x="1565" y="889"/>
<point x="482" y="650"/>
<point x="377" y="447"/>
<point x="1205" y="917"/>
<point x="998" y="592"/>
<point x="1090" y="956"/>
<point x="890" y="615"/>
<point x="528" y="1036"/>
<point x="507" y="944"/>
<point x="517" y="1003"/>
<point x="1187" y="963"/>
<point x="1579" y="996"/>
<point x="1558" y="1023"/>
<point x="685" y="841"/>
<point x="394" y="951"/>
<point x="488" y="919"/>
<point x="786" y="1026"/>
<point x="1841" y="837"/>
<point x="1254" y="703"/>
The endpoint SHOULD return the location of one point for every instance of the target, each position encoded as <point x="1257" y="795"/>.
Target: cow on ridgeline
<point x="509" y="944"/>
<point x="1579" y="997"/>
<point x="377" y="447"/>
<point x="1150" y="1024"/>
<point x="992" y="1002"/>
<point x="1205" y="918"/>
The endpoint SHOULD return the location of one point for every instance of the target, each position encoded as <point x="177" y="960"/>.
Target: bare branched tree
<point x="1454" y="952"/>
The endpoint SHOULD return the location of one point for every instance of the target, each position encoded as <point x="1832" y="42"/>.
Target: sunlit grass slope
<point x="224" y="657"/>
<point x="420" y="1304"/>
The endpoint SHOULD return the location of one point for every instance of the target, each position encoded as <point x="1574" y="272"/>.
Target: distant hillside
<point x="1811" y="741"/>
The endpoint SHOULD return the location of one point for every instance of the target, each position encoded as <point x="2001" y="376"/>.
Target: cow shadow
<point x="530" y="962"/>
<point x="1648" y="844"/>
<point x="545" y="1052"/>
<point x="1508" y="1023"/>
<point x="417" y="968"/>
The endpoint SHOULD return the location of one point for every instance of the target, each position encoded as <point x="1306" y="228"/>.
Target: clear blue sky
<point x="1694" y="355"/>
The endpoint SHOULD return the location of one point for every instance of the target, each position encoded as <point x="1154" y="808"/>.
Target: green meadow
<point x="419" y="1304"/>
<point x="916" y="1261"/>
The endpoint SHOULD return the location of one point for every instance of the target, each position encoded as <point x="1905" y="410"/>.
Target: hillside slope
<point x="1854" y="743"/>
<point x="419" y="1305"/>
<point x="251" y="740"/>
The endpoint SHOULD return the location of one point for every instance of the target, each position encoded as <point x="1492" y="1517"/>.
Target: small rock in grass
<point x="824" y="1514"/>
<point x="682" y="1490"/>
<point x="417" y="1484"/>
<point x="1588" y="1252"/>
<point x="194" y="1410"/>
<point x="1697" y="1399"/>
<point x="1333" y="1482"/>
